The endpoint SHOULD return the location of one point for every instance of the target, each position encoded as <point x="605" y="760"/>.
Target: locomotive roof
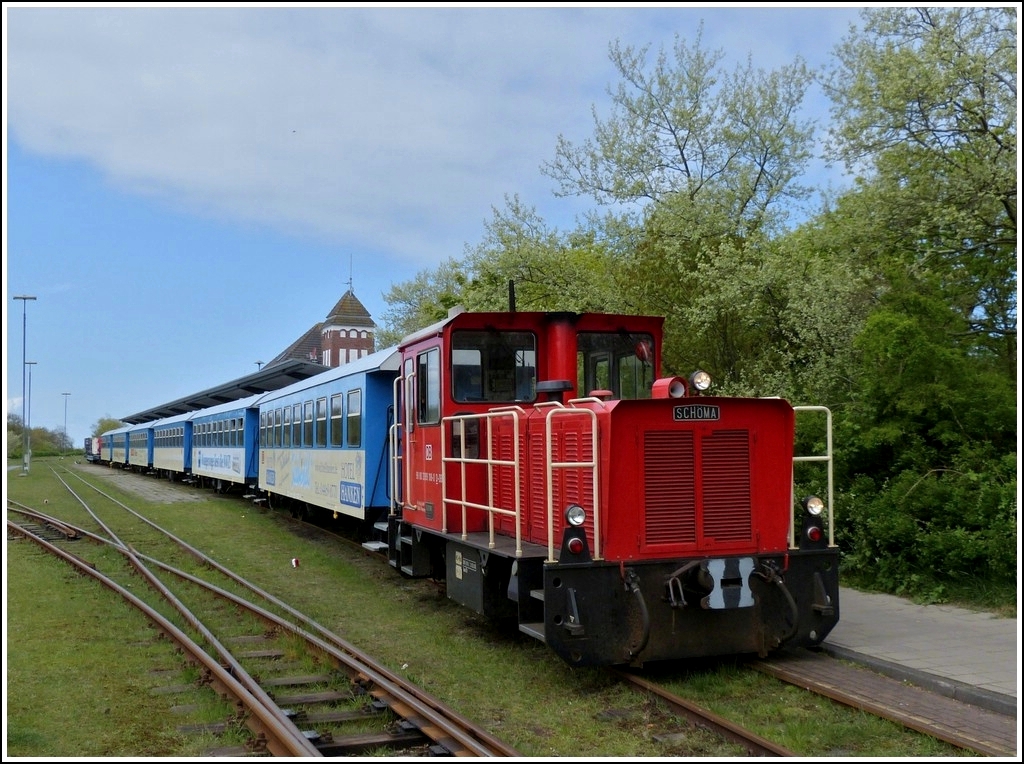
<point x="434" y="328"/>
<point x="483" y="316"/>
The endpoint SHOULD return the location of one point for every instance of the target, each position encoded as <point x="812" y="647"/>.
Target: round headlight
<point x="700" y="380"/>
<point x="575" y="515"/>
<point x="814" y="505"/>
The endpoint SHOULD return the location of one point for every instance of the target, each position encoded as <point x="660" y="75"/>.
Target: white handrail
<point x="551" y="466"/>
<point x="491" y="463"/>
<point x="397" y="461"/>
<point x="826" y="457"/>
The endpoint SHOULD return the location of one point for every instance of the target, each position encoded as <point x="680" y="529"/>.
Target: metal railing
<point x="557" y="409"/>
<point x="491" y="463"/>
<point x="827" y="458"/>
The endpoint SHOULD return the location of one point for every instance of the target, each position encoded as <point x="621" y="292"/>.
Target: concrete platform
<point x="973" y="657"/>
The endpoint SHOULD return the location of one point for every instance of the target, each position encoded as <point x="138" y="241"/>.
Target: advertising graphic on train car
<point x="223" y="462"/>
<point x="315" y="476"/>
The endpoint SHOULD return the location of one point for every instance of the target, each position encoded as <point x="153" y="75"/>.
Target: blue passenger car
<point x="324" y="440"/>
<point x="140" y="447"/>
<point x="115" y="447"/>
<point x="172" y="446"/>
<point x="225" y="440"/>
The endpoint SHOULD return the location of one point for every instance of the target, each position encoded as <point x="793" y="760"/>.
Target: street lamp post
<point x="259" y="365"/>
<point x="64" y="444"/>
<point x="24" y="426"/>
<point x="28" y="417"/>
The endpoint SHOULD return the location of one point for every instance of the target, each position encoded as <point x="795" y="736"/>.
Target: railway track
<point x="952" y="721"/>
<point x="945" y="719"/>
<point x="299" y="692"/>
<point x="289" y="712"/>
<point x="752" y="743"/>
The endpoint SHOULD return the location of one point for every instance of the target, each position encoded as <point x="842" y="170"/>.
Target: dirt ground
<point x="148" y="487"/>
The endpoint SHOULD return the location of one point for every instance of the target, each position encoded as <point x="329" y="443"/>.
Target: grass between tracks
<point x="74" y="690"/>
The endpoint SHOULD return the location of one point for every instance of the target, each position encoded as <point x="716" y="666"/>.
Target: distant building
<point x="345" y="335"/>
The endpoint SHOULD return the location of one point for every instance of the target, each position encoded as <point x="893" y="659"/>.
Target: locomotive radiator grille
<point x="670" y="507"/>
<point x="682" y="494"/>
<point x="725" y="457"/>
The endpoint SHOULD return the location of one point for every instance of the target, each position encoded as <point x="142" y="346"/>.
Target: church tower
<point x="347" y="334"/>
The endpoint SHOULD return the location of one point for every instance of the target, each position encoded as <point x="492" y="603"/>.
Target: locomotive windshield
<point x="620" y="362"/>
<point x="492" y="366"/>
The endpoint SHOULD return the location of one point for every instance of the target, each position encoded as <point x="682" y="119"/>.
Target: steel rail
<point x="281" y="738"/>
<point x="755" y="744"/>
<point x="457" y="728"/>
<point x="237" y="670"/>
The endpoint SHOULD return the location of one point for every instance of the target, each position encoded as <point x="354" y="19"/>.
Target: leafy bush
<point x="918" y="534"/>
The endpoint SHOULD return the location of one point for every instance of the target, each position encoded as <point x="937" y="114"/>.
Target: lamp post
<point x="24" y="425"/>
<point x="28" y="417"/>
<point x="63" y="444"/>
<point x="259" y="365"/>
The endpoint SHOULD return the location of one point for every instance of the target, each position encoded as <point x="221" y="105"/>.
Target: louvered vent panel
<point x="504" y="483"/>
<point x="538" y="485"/>
<point x="670" y="510"/>
<point x="725" y="457"/>
<point x="570" y="483"/>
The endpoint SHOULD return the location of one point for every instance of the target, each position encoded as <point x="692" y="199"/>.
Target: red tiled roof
<point x="305" y="348"/>
<point x="349" y="312"/>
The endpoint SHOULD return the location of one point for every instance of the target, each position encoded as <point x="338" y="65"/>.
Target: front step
<point x="535" y="630"/>
<point x="375" y="546"/>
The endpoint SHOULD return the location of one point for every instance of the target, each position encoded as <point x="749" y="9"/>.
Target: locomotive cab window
<point x="621" y="362"/>
<point x="428" y="387"/>
<point x="493" y="367"/>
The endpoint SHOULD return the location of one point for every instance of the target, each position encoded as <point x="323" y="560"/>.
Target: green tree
<point x="422" y="301"/>
<point x="925" y="108"/>
<point x="15" y="436"/>
<point x="105" y="424"/>
<point x="706" y="163"/>
<point x="688" y="131"/>
<point x="925" y="104"/>
<point x="549" y="270"/>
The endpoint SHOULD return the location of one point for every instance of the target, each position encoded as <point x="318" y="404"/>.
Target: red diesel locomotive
<point x="543" y="467"/>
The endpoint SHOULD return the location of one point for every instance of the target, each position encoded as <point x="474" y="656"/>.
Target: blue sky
<point x="187" y="189"/>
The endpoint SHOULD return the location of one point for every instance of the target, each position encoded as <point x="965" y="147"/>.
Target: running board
<point x="535" y="630"/>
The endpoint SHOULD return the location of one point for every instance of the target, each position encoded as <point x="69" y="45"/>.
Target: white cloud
<point x="332" y="122"/>
<point x="390" y="127"/>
